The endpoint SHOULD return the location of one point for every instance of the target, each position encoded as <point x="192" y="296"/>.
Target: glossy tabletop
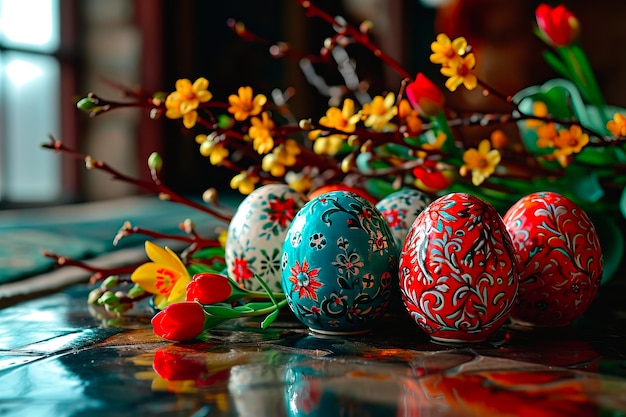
<point x="60" y="357"/>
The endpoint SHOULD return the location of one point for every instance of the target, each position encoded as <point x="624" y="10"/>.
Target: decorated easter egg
<point x="341" y="187"/>
<point x="400" y="209"/>
<point x="339" y="260"/>
<point x="256" y="233"/>
<point x="559" y="257"/>
<point x="458" y="277"/>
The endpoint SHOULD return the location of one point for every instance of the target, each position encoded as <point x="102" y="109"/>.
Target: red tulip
<point x="208" y="288"/>
<point x="431" y="179"/>
<point x="558" y="25"/>
<point x="425" y="97"/>
<point x="180" y="321"/>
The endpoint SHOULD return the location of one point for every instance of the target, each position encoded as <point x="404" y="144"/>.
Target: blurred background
<point x="54" y="51"/>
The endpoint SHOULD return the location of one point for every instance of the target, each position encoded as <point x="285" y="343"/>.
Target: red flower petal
<point x="424" y="96"/>
<point x="207" y="288"/>
<point x="179" y="321"/>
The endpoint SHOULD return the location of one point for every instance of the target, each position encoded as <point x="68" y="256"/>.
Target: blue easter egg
<point x="339" y="261"/>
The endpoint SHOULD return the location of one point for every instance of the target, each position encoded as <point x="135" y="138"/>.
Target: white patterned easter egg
<point x="400" y="209"/>
<point x="256" y="234"/>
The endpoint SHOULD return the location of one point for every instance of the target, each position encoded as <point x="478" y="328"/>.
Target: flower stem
<point x="359" y="37"/>
<point x="155" y="186"/>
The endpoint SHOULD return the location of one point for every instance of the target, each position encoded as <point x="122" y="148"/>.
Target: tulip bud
<point x="180" y="321"/>
<point x="425" y="97"/>
<point x="208" y="288"/>
<point x="557" y="26"/>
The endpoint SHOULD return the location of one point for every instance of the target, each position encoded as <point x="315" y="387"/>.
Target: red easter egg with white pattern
<point x="559" y="256"/>
<point x="458" y="275"/>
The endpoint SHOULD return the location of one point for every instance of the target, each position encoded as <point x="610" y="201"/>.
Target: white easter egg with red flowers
<point x="256" y="234"/>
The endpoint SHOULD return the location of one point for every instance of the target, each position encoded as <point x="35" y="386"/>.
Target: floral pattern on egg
<point x="339" y="261"/>
<point x="458" y="275"/>
<point x="559" y="256"/>
<point x="400" y="209"/>
<point x="256" y="233"/>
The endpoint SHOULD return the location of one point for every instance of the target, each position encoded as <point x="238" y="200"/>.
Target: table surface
<point x="60" y="357"/>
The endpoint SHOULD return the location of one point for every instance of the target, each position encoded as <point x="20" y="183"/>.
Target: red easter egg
<point x="559" y="256"/>
<point x="458" y="276"/>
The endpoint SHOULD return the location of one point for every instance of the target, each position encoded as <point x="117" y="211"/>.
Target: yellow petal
<point x="157" y="254"/>
<point x="175" y="261"/>
<point x="179" y="291"/>
<point x="204" y="96"/>
<point x="200" y="84"/>
<point x="484" y="146"/>
<point x="146" y="277"/>
<point x="245" y="93"/>
<point x="189" y="119"/>
<point x="183" y="84"/>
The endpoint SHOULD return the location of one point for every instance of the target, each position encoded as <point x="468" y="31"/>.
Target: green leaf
<point x="556" y="64"/>
<point x="223" y="311"/>
<point x="602" y="157"/>
<point x="198" y="268"/>
<point x="269" y="319"/>
<point x="245" y="309"/>
<point x="589" y="85"/>
<point x="583" y="184"/>
<point x="207" y="253"/>
<point x="254" y="306"/>
<point x="622" y="203"/>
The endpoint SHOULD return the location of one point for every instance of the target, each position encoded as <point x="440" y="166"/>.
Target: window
<point x="30" y="98"/>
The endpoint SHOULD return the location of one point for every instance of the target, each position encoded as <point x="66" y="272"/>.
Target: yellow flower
<point x="540" y="110"/>
<point x="569" y="142"/>
<point x="344" y="119"/>
<point x="411" y="118"/>
<point x="216" y="151"/>
<point x="380" y="111"/>
<point x="617" y="126"/>
<point x="287" y="152"/>
<point x="244" y="105"/>
<point x="222" y="237"/>
<point x="481" y="162"/>
<point x="271" y="164"/>
<point x="447" y="52"/>
<point x="244" y="183"/>
<point x="185" y="100"/>
<point x="301" y="182"/>
<point x="261" y="133"/>
<point x="436" y="145"/>
<point x="328" y="145"/>
<point x="460" y="72"/>
<point x="546" y="135"/>
<point x="166" y="276"/>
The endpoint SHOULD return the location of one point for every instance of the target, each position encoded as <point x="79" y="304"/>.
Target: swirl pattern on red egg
<point x="457" y="269"/>
<point x="559" y="256"/>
